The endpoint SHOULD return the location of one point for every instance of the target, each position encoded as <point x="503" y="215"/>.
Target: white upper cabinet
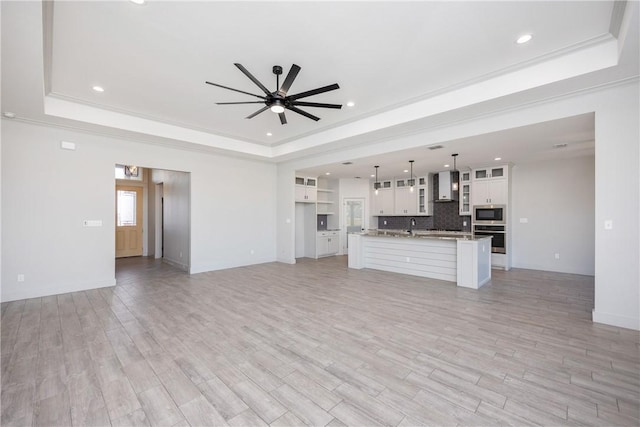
<point x="306" y="189"/>
<point x="425" y="195"/>
<point x="490" y="173"/>
<point x="383" y="202"/>
<point x="464" y="186"/>
<point x="406" y="201"/>
<point x="490" y="192"/>
<point x="490" y="186"/>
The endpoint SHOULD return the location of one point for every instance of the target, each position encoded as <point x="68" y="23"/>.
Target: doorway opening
<point x="153" y="217"/>
<point x="353" y="219"/>
<point x="128" y="221"/>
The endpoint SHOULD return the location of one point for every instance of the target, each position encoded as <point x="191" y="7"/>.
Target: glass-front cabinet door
<point x="465" y="193"/>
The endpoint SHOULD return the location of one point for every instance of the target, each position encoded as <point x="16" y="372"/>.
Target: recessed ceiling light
<point x="561" y="145"/>
<point x="269" y="134"/>
<point x="9" y="115"/>
<point x="498" y="158"/>
<point x="446" y="166"/>
<point x="351" y="104"/>
<point x="406" y="171"/>
<point x="137" y="1"/>
<point x="524" y="38"/>
<point x="98" y="88"/>
<point x="327" y="173"/>
<point x="373" y="176"/>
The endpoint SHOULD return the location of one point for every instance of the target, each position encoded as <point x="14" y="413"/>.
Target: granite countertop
<point x="424" y="234"/>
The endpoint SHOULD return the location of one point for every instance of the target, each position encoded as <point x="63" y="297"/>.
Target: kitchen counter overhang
<point x="463" y="259"/>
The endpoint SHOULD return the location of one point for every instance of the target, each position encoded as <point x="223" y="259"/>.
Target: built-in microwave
<point x="489" y="214"/>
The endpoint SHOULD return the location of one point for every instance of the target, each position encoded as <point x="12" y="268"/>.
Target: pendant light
<point x="411" y="180"/>
<point x="454" y="186"/>
<point x="376" y="184"/>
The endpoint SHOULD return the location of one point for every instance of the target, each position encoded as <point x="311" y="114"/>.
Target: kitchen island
<point x="454" y="257"/>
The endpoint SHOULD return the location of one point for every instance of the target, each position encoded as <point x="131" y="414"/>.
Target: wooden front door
<point x="128" y="221"/>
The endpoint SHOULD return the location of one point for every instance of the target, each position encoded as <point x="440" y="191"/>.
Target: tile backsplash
<point x="402" y="222"/>
<point x="446" y="216"/>
<point x="322" y="222"/>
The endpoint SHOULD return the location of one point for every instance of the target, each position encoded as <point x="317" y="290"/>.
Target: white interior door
<point x="353" y="218"/>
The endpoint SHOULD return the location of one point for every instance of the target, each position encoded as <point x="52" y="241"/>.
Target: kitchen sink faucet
<point x="412" y="223"/>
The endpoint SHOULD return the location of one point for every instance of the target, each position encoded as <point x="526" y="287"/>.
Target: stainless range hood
<point x="445" y="187"/>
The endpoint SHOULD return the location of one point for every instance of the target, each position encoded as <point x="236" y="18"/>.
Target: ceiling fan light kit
<point x="280" y="100"/>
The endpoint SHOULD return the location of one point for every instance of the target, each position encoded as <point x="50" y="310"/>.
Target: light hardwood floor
<point x="318" y="344"/>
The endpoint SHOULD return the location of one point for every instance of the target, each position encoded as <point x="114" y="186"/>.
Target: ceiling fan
<point x="279" y="101"/>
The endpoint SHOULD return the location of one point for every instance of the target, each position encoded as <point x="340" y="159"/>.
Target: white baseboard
<point x="177" y="264"/>
<point x="616" y="320"/>
<point x="26" y="292"/>
<point x="204" y="268"/>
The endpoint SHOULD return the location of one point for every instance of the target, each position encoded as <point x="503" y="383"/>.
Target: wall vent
<point x="435" y="147"/>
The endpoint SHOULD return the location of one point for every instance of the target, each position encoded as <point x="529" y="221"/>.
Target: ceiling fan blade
<point x="232" y="103"/>
<point x="257" y="112"/>
<point x="303" y="113"/>
<point x="314" y="92"/>
<point x="293" y="73"/>
<point x="283" y="118"/>
<point x="236" y="90"/>
<point x="253" y="79"/>
<point x="316" y="104"/>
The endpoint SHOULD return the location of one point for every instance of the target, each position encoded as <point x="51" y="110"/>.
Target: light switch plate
<point x="66" y="145"/>
<point x="92" y="223"/>
<point x="524" y="220"/>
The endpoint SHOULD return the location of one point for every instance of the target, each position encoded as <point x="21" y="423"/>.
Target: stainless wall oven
<point x="489" y="214"/>
<point x="498" y="232"/>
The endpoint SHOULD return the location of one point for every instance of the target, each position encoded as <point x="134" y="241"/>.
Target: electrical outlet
<point x="524" y="220"/>
<point x="557" y="256"/>
<point x="180" y="254"/>
<point x="384" y="222"/>
<point x="464" y="223"/>
<point x="20" y="277"/>
<point x="321" y="222"/>
<point x="252" y="252"/>
<point x="408" y="259"/>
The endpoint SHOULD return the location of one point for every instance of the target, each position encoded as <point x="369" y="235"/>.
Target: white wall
<point x="47" y="193"/>
<point x="617" y="297"/>
<point x="176" y="190"/>
<point x="557" y="198"/>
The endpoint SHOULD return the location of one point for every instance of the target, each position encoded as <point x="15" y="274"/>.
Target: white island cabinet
<point x="463" y="260"/>
<point x="474" y="262"/>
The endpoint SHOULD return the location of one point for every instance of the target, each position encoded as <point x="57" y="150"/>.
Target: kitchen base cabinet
<point x="327" y="243"/>
<point x="500" y="261"/>
<point x="463" y="261"/>
<point x="474" y="263"/>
